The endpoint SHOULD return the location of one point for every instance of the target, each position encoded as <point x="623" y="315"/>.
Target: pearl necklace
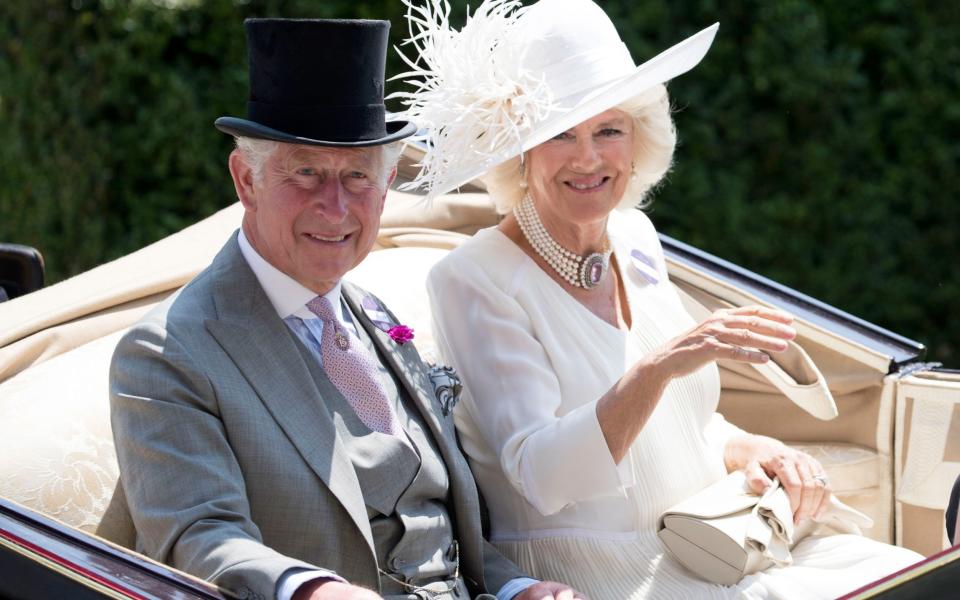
<point x="578" y="271"/>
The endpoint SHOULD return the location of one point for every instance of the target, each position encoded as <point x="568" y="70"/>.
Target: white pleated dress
<point x="534" y="362"/>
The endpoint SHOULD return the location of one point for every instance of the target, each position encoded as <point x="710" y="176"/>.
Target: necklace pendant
<point x="592" y="270"/>
<point x="341" y="339"/>
<point x="578" y="271"/>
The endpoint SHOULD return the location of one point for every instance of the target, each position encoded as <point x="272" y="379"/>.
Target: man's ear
<point x="242" y="180"/>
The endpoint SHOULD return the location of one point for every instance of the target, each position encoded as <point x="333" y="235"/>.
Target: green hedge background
<point x="819" y="140"/>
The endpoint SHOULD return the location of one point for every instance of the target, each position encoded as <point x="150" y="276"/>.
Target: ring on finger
<point x="822" y="478"/>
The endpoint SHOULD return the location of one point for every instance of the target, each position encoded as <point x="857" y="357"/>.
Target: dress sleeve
<point x="718" y="432"/>
<point x="513" y="396"/>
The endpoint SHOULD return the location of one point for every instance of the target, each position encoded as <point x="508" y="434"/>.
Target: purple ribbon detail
<point x="645" y="265"/>
<point x="376" y="314"/>
<point x="398" y="332"/>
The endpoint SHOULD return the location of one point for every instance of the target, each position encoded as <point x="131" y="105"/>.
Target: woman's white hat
<point x="513" y="77"/>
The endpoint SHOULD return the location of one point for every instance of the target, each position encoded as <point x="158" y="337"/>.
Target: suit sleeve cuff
<point x="514" y="587"/>
<point x="291" y="581"/>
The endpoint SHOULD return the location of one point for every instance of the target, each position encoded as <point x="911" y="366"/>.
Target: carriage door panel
<point x="926" y="457"/>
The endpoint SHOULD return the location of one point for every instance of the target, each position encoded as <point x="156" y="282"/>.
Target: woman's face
<point x="579" y="176"/>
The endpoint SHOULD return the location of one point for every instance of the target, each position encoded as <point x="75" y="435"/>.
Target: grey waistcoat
<point x="404" y="485"/>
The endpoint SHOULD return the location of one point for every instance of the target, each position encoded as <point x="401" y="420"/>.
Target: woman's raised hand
<point x="745" y="334"/>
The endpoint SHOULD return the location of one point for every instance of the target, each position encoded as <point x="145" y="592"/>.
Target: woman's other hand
<point x="744" y="334"/>
<point x="802" y="476"/>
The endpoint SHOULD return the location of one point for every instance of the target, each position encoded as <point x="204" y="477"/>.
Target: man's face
<point x="314" y="212"/>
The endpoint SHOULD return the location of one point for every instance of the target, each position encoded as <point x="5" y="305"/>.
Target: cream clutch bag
<point x="726" y="532"/>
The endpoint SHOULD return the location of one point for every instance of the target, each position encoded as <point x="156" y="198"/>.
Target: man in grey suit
<point x="277" y="433"/>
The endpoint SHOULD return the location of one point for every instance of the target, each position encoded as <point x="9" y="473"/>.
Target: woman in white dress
<point x="590" y="394"/>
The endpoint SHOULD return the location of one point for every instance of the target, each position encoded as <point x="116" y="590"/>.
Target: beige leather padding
<point x="410" y="220"/>
<point x="111" y="297"/>
<point x="56" y="451"/>
<point x="928" y="417"/>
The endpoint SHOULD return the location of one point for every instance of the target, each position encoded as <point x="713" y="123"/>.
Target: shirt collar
<point x="288" y="296"/>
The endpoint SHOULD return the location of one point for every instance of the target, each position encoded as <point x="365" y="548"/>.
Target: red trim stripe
<point x="71" y="565"/>
<point x="873" y="585"/>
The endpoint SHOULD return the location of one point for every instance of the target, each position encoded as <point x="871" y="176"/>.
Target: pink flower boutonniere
<point x="401" y="334"/>
<point x="398" y="332"/>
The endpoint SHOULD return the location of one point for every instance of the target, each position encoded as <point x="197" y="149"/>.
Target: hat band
<point x="587" y="70"/>
<point x="321" y="122"/>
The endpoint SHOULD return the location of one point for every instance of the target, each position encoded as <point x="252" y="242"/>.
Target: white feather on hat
<point x="472" y="95"/>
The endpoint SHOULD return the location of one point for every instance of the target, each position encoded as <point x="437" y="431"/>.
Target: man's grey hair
<point x="257" y="151"/>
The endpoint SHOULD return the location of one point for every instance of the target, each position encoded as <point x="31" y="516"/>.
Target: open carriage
<point x="892" y="452"/>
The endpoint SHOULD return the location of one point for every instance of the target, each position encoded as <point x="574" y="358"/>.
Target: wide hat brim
<point x="396" y="130"/>
<point x="670" y="63"/>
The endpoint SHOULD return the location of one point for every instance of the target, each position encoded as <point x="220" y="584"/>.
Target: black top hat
<point x="317" y="82"/>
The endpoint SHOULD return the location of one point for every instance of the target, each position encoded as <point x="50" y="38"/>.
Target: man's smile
<point x="328" y="239"/>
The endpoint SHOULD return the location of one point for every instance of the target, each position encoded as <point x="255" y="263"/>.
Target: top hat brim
<point x="396" y="130"/>
<point x="670" y="63"/>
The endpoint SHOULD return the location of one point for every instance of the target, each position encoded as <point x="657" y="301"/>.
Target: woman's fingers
<point x="746" y="334"/>
<point x="819" y="485"/>
<point x="741" y="354"/>
<point x="756" y="477"/>
<point x="740" y="347"/>
<point x="824" y="499"/>
<point x="811" y="493"/>
<point x="744" y="338"/>
<point x="785" y="469"/>
<point x="760" y="325"/>
<point x="803" y="480"/>
<point x="772" y="314"/>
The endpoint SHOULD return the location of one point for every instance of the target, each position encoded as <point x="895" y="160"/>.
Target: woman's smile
<point x="591" y="184"/>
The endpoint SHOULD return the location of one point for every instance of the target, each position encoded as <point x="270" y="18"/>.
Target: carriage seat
<point x="56" y="448"/>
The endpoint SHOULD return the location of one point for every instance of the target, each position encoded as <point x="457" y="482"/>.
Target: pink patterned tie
<point x="353" y="371"/>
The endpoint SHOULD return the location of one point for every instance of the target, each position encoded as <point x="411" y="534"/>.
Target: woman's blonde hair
<point x="654" y="140"/>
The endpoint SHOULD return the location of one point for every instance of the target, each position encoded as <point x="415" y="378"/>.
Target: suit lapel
<point x="257" y="340"/>
<point x="406" y="363"/>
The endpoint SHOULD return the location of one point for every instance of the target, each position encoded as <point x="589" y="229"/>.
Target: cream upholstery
<point x="56" y="452"/>
<point x="928" y="419"/>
